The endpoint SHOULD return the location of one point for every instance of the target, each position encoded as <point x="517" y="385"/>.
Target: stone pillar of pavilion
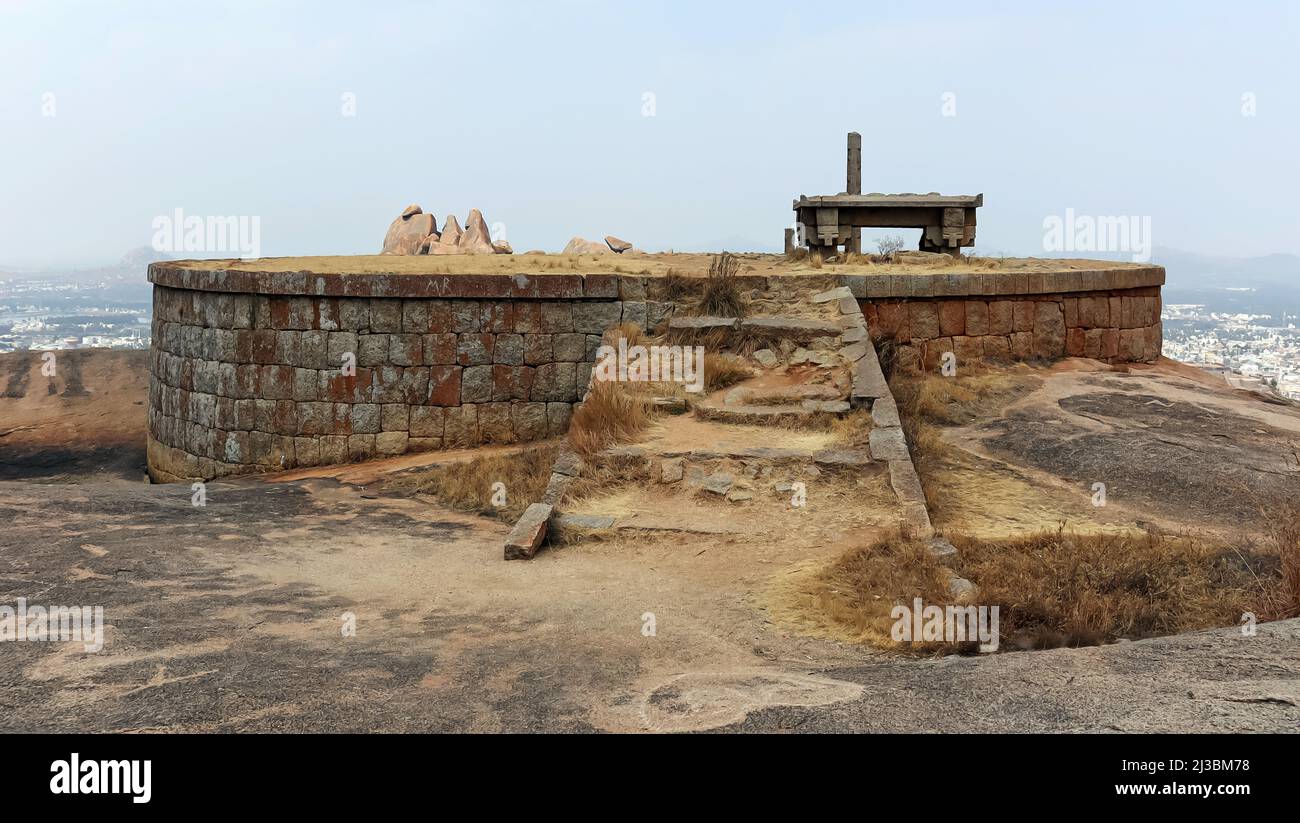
<point x="853" y="185"/>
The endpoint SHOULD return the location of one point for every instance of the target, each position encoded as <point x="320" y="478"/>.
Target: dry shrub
<point x="467" y="485"/>
<point x="722" y="370"/>
<point x="1051" y="589"/>
<point x="853" y="597"/>
<point x="611" y="414"/>
<point x="630" y="331"/>
<point x="1062" y="589"/>
<point x="678" y="285"/>
<point x="1281" y="516"/>
<point x="722" y="292"/>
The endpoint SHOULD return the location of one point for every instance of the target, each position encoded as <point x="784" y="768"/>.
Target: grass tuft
<point x="722" y="292"/>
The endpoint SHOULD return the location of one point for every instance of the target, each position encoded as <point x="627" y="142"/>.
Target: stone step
<point x="797" y="328"/>
<point x="679" y="323"/>
<point x="753" y="415"/>
<point x="782" y="395"/>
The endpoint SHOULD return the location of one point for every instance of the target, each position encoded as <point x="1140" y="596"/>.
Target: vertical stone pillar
<point x="853" y="185"/>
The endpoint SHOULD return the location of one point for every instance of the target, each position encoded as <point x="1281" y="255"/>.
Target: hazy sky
<point x="533" y="112"/>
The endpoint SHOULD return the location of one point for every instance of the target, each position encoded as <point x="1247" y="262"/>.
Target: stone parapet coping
<point x="973" y="284"/>
<point x="201" y="276"/>
<point x="325" y="284"/>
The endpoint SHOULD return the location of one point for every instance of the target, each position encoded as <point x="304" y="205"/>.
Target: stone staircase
<point x="811" y="357"/>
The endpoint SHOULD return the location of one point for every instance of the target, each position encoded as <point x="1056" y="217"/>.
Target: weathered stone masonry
<point x="247" y="366"/>
<point x="249" y="382"/>
<point x="1110" y="314"/>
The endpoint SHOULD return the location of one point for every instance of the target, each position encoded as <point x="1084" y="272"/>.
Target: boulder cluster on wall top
<point x="415" y="232"/>
<point x="580" y="245"/>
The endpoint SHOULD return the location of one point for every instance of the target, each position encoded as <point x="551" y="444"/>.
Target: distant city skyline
<point x="684" y="126"/>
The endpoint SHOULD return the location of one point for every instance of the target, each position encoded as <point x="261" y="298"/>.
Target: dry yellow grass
<point x="612" y="413"/>
<point x="1052" y="588"/>
<point x="722" y="370"/>
<point x="468" y="486"/>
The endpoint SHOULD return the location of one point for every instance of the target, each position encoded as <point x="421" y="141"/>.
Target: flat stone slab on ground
<point x="719" y="483"/>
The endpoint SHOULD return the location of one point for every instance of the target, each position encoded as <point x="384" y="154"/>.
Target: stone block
<point x="1075" y="344"/>
<point x="497" y="317"/>
<point x="333" y="449"/>
<point x="390" y="442"/>
<point x="554" y="382"/>
<point x="892" y="319"/>
<point x="439" y="349"/>
<point x="354" y="316"/>
<point x="461" y="426"/>
<point x="569" y="347"/>
<point x="313" y="348"/>
<point x="315" y="418"/>
<point x="306" y="451"/>
<point x="1022" y="315"/>
<point x="968" y="349"/>
<point x="997" y="347"/>
<point x="952" y="317"/>
<point x="427" y="421"/>
<point x="466" y="316"/>
<point x="365" y="418"/>
<point x="474" y="349"/>
<point x="529" y="420"/>
<point x="528" y="532"/>
<point x="1001" y="317"/>
<point x="385" y="315"/>
<point x="1049" y="330"/>
<point x="394" y="417"/>
<point x="278" y="382"/>
<point x="405" y="349"/>
<point x="557" y="418"/>
<point x="444" y="383"/>
<point x="509" y="349"/>
<point x="476" y="385"/>
<point x="594" y="317"/>
<point x="494" y="423"/>
<point x="511" y="382"/>
<point x="537" y="349"/>
<point x="923" y="319"/>
<point x="361" y="447"/>
<point x="339" y="345"/>
<point x="977" y="318"/>
<point x="372" y="349"/>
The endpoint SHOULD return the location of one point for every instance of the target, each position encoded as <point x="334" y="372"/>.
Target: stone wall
<point x="248" y="366"/>
<point x="252" y="383"/>
<point x="1116" y="319"/>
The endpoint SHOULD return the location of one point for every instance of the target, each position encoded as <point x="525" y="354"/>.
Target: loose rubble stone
<point x="528" y="533"/>
<point x="884" y="412"/>
<point x="738" y="496"/>
<point x="766" y="358"/>
<point x="670" y="471"/>
<point x="719" y="483"/>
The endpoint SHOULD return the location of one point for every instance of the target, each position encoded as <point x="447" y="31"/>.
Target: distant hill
<point x="1268" y="284"/>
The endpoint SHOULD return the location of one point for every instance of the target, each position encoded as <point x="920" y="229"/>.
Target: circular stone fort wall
<point x="266" y="371"/>
<point x="259" y="371"/>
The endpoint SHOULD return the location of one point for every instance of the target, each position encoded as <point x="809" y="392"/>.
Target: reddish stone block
<point x="1022" y="315"/>
<point x="952" y="317"/>
<point x="997" y="347"/>
<point x="511" y="382"/>
<point x="342" y="388"/>
<point x="494" y="424"/>
<point x="934" y="351"/>
<point x="892" y="318"/>
<point x="1154" y="341"/>
<point x="872" y="317"/>
<point x="1071" y="307"/>
<point x="498" y="317"/>
<point x="439" y="349"/>
<point x="968" y="349"/>
<point x="923" y="320"/>
<point x="1075" y="342"/>
<point x="1092" y="343"/>
<point x="263" y="346"/>
<point x="977" y="318"/>
<point x="1022" y="345"/>
<point x="1001" y="317"/>
<point x="1109" y="342"/>
<point x="444" y="386"/>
